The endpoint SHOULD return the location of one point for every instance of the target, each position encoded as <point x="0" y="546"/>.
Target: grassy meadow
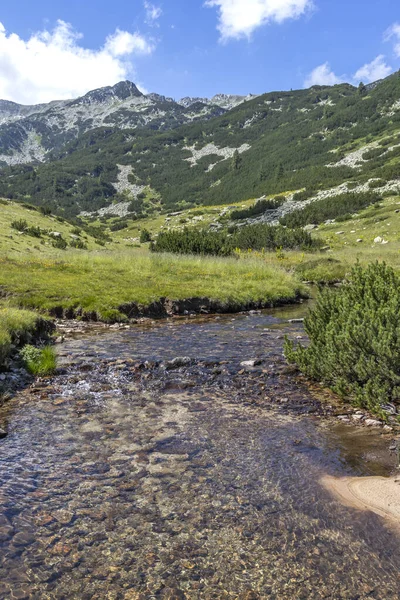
<point x="35" y="275"/>
<point x="102" y="282"/>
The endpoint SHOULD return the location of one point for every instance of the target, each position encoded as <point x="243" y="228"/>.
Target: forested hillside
<point x="279" y="142"/>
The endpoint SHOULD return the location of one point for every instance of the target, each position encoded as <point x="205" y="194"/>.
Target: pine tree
<point x="362" y="88"/>
<point x="236" y="161"/>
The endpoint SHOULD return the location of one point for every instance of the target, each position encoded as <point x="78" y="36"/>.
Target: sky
<point x="54" y="50"/>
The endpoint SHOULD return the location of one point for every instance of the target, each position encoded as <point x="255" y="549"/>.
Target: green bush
<point x="59" y="243"/>
<point x="221" y="243"/>
<point x="79" y="244"/>
<point x="258" y="208"/>
<point x="330" y="208"/>
<point x="145" y="236"/>
<point x="34" y="231"/>
<point x="376" y="183"/>
<point x="354" y="338"/>
<point x="304" y="195"/>
<point x="45" y="210"/>
<point x="39" y="361"/>
<point x="20" y="225"/>
<point x="119" y="225"/>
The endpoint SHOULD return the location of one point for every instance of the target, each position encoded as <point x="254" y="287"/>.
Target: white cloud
<point x="54" y="65"/>
<point x="153" y="13"/>
<point x="239" y="18"/>
<point x="322" y="75"/>
<point x="377" y="69"/>
<point x="394" y="32"/>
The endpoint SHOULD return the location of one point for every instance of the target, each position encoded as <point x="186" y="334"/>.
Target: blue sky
<point x="52" y="50"/>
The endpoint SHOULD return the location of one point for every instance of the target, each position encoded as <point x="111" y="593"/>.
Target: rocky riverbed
<point x="181" y="460"/>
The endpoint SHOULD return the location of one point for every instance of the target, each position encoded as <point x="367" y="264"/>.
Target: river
<point x="130" y="477"/>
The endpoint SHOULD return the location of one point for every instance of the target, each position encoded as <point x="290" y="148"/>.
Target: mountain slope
<point x="117" y="146"/>
<point x="28" y="133"/>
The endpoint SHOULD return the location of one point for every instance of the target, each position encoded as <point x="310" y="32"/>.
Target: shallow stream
<point x="125" y="477"/>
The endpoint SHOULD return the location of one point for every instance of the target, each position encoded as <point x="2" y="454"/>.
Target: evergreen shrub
<point x="258" y="208"/>
<point x="330" y="208"/>
<point x="354" y="337"/>
<point x="221" y="243"/>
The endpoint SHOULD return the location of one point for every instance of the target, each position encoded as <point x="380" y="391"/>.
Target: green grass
<point x="39" y="361"/>
<point x="19" y="243"/>
<point x="16" y="327"/>
<point x="99" y="282"/>
<point x="101" y="279"/>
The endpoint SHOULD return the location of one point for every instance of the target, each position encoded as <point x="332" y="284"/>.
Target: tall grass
<point x="100" y="282"/>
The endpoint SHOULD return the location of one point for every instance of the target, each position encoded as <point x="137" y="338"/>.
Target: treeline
<point x="258" y="208"/>
<point x="222" y="243"/>
<point x="335" y="207"/>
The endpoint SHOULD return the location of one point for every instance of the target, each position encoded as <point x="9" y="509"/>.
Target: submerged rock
<point x="179" y="361"/>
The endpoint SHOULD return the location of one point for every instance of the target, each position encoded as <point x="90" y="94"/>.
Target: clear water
<point x="121" y="481"/>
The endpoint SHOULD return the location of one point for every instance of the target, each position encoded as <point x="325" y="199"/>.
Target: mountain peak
<point x="119" y="91"/>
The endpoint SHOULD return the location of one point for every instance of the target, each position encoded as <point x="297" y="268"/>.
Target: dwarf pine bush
<point x="354" y="337"/>
<point x="221" y="243"/>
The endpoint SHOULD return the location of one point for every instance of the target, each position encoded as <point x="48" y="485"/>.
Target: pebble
<point x="63" y="516"/>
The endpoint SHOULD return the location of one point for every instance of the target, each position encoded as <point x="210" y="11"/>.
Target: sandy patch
<point x="380" y="495"/>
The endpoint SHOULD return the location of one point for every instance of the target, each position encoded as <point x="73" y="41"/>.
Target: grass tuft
<point x="39" y="361"/>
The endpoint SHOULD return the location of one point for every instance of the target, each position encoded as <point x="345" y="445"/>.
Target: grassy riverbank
<point x="36" y="275"/>
<point x="102" y="282"/>
<point x="18" y="327"/>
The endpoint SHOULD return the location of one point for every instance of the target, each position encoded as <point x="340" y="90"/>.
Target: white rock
<point x="372" y="423"/>
<point x="378" y="240"/>
<point x="250" y="363"/>
<point x="357" y="417"/>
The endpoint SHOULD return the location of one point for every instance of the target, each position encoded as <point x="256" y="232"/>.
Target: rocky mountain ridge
<point x="117" y="146"/>
<point x="30" y="133"/>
